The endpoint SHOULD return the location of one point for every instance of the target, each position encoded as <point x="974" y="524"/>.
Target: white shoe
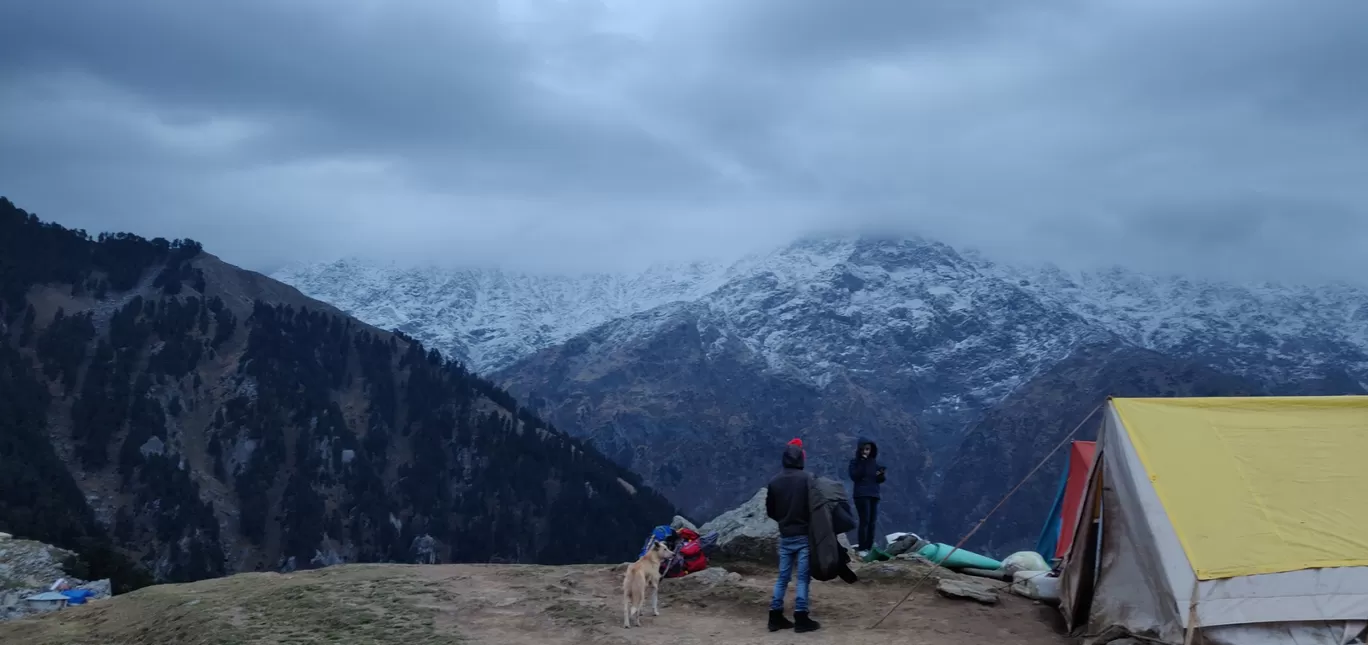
<point x="862" y="554"/>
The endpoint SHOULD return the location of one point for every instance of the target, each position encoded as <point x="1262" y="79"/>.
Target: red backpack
<point x="692" y="552"/>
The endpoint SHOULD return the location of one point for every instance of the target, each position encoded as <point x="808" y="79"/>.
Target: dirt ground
<point x="526" y="605"/>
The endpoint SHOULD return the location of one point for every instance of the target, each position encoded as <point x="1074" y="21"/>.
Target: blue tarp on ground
<point x="77" y="596"/>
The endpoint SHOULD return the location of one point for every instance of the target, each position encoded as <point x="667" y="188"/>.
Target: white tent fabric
<point x="1139" y="576"/>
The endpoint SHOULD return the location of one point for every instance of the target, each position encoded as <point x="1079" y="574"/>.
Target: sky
<point x="1226" y="138"/>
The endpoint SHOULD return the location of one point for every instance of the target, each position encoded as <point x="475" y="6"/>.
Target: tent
<point x="1225" y="520"/>
<point x="1057" y="535"/>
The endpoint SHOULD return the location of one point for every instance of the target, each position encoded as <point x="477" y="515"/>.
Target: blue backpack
<point x="661" y="533"/>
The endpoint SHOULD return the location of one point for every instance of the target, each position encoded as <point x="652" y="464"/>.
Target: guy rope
<point x="1000" y="504"/>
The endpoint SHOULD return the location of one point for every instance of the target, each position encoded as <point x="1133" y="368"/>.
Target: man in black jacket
<point x="786" y="502"/>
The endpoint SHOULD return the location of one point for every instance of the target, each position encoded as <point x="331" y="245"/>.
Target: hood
<point x="793" y="457"/>
<point x="874" y="451"/>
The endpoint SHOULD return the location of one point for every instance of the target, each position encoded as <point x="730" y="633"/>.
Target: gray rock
<point x="153" y="446"/>
<point x="28" y="568"/>
<point x="746" y="533"/>
<point x="710" y="577"/>
<point x="101" y="588"/>
<point x="975" y="591"/>
<point x="680" y="522"/>
<point x="326" y="558"/>
<point x="424" y="549"/>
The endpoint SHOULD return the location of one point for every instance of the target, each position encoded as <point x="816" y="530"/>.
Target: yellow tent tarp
<point x="1258" y="484"/>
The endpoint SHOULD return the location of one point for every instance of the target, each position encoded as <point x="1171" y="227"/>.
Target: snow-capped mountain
<point x="489" y="318"/>
<point x="690" y="375"/>
<point x="905" y="290"/>
<point x="1265" y="331"/>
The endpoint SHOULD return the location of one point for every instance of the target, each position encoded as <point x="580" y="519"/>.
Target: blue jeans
<point x="793" y="551"/>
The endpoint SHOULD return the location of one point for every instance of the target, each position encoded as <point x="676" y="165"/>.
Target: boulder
<point x="101" y="588"/>
<point x="680" y="522"/>
<point x="899" y="570"/>
<point x="423" y="549"/>
<point x="710" y="577"/>
<point x="746" y="533"/>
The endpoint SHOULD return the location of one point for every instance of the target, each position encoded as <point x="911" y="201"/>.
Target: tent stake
<point x="1192" y="610"/>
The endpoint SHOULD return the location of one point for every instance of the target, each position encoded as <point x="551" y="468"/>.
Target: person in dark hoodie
<point x="867" y="474"/>
<point x="786" y="502"/>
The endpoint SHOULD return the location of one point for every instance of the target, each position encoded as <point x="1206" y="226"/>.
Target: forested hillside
<point x="172" y="417"/>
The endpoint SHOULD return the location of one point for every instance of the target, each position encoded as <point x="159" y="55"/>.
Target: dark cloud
<point x="1161" y="134"/>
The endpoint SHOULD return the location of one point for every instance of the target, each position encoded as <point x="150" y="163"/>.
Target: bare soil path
<point x="525" y="605"/>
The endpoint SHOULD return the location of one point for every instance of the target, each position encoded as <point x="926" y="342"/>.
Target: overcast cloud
<point x="1222" y="136"/>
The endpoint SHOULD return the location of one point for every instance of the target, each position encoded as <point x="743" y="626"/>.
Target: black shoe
<point x="777" y="621"/>
<point x="804" y="624"/>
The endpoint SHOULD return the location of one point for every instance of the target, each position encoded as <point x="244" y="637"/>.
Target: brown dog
<point x="642" y="576"/>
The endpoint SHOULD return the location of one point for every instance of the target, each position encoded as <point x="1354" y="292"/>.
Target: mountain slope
<point x="1271" y="333"/>
<point x="688" y="404"/>
<point x="199" y="419"/>
<point x="907" y="340"/>
<point x="1012" y="437"/>
<point x="489" y="319"/>
<point x="840" y="339"/>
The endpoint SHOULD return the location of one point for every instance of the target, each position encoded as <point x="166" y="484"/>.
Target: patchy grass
<point x="355" y="604"/>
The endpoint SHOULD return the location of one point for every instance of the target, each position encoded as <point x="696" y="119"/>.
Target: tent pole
<point x="1192" y="611"/>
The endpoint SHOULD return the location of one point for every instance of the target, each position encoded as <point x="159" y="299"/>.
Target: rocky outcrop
<point x="981" y="592"/>
<point x="680" y="397"/>
<point x="28" y="568"/>
<point x="710" y="577"/>
<point x="746" y="532"/>
<point x="423" y="550"/>
<point x="681" y="522"/>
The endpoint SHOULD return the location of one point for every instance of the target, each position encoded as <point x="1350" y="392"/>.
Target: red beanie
<point x="798" y="442"/>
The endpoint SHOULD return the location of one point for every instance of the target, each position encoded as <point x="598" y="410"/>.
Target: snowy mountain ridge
<point x="490" y="318"/>
<point x="821" y="308"/>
